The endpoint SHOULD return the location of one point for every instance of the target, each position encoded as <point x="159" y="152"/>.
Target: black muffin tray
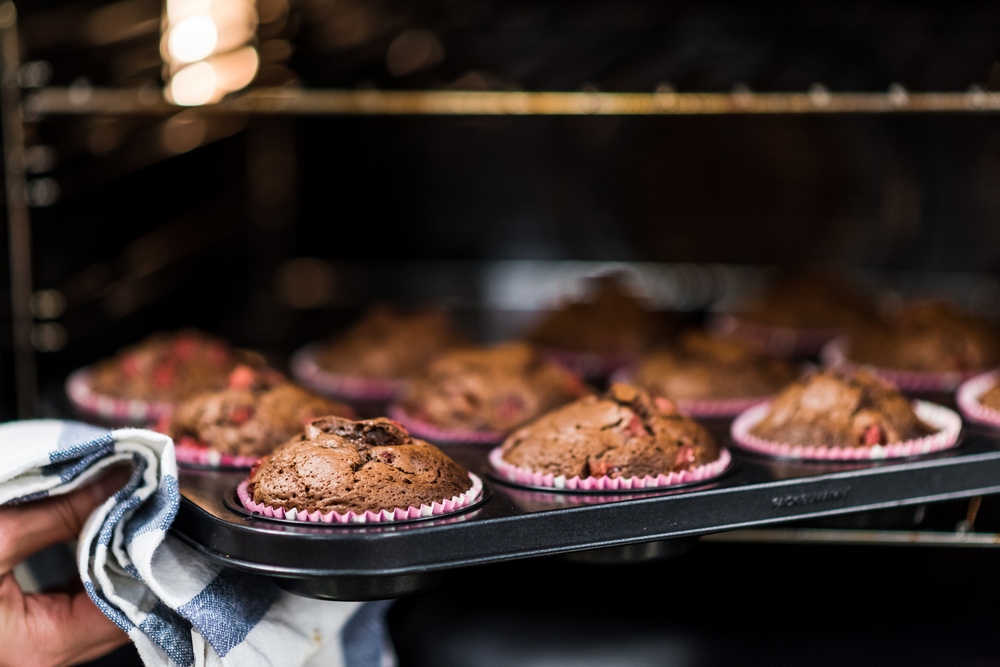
<point x="365" y="561"/>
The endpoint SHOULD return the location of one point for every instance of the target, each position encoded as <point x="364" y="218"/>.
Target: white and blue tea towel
<point x="176" y="606"/>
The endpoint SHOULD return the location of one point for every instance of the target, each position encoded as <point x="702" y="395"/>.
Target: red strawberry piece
<point x="242" y="377"/>
<point x="602" y="468"/>
<point x="685" y="457"/>
<point x="665" y="406"/>
<point x="163" y="375"/>
<point x="240" y="414"/>
<point x="130" y="366"/>
<point x="185" y="348"/>
<point x="635" y="426"/>
<point x="873" y="435"/>
<point x="387" y="456"/>
<point x="510" y="407"/>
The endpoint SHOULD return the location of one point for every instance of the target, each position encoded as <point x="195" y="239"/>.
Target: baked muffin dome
<point x="810" y="299"/>
<point x="355" y="466"/>
<point x="624" y="433"/>
<point x="927" y="336"/>
<point x="257" y="412"/>
<point x="991" y="398"/>
<point x="169" y="366"/>
<point x="698" y="367"/>
<point x="388" y="344"/>
<point x="841" y="409"/>
<point x="610" y="320"/>
<point x="489" y="388"/>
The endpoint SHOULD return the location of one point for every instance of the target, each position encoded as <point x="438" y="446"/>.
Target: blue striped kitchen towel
<point x="176" y="606"/>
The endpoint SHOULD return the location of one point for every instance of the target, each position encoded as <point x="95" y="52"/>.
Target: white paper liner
<point x="948" y="423"/>
<point x="204" y="457"/>
<point x="306" y="369"/>
<point x="779" y="341"/>
<point x="588" y="365"/>
<point x="425" y="431"/>
<point x="447" y="506"/>
<point x="968" y="395"/>
<point x="834" y="355"/>
<point x="533" y="478"/>
<point x="133" y="411"/>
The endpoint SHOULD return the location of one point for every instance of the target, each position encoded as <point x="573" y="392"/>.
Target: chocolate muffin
<point x="841" y="409"/>
<point x="169" y="367"/>
<point x="388" y="344"/>
<point x="489" y="388"/>
<point x="257" y="412"/>
<point x="927" y="336"/>
<point x="346" y="466"/>
<point x="991" y="398"/>
<point x="698" y="367"/>
<point x="610" y="320"/>
<point x="624" y="433"/>
<point x="810" y="299"/>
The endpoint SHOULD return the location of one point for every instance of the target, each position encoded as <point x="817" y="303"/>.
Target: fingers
<point x="52" y="629"/>
<point x="26" y="529"/>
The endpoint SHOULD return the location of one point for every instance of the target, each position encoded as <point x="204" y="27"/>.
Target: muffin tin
<point x="359" y="562"/>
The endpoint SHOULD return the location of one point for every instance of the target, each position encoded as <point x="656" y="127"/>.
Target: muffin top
<point x="927" y="335"/>
<point x="624" y="433"/>
<point x="991" y="397"/>
<point x="810" y="299"/>
<point x="610" y="320"/>
<point x="489" y="388"/>
<point x="388" y="344"/>
<point x="342" y="465"/>
<point x="840" y="409"/>
<point x="700" y="367"/>
<point x="257" y="412"/>
<point x="169" y="366"/>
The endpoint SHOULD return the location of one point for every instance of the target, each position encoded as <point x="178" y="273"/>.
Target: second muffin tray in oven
<point x="370" y="561"/>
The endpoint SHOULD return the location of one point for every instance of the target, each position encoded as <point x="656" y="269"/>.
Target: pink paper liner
<point x="306" y="370"/>
<point x="947" y="421"/>
<point x="453" y="504"/>
<point x="134" y="411"/>
<point x="968" y="395"/>
<point x="210" y="458"/>
<point x="425" y="431"/>
<point x="533" y="478"/>
<point x="705" y="408"/>
<point x="834" y="355"/>
<point x="589" y="365"/>
<point x="779" y="341"/>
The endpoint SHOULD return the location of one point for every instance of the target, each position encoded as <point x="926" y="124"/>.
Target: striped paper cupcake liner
<point x="947" y="422"/>
<point x="439" y="435"/>
<point x="436" y="509"/>
<point x="305" y="368"/>
<point x="971" y="391"/>
<point x="112" y="409"/>
<point x="550" y="481"/>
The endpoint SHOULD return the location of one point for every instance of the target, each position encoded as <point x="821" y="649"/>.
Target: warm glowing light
<point x="192" y="39"/>
<point x="206" y="49"/>
<point x="237" y="69"/>
<point x="195" y="85"/>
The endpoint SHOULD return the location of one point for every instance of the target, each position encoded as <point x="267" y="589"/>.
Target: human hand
<point x="51" y="629"/>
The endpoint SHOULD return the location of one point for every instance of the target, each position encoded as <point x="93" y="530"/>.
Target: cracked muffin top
<point x="169" y="366"/>
<point x="259" y="410"/>
<point x="624" y="433"/>
<point x="342" y="465"/>
<point x="489" y="388"/>
<point x="700" y="367"/>
<point x="388" y="344"/>
<point x="841" y="409"/>
<point x="927" y="335"/>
